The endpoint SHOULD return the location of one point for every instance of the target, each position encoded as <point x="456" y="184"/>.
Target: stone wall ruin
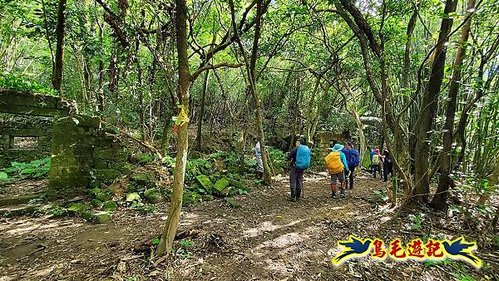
<point x="83" y="154"/>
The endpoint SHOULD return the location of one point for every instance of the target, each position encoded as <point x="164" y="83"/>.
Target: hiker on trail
<point x="353" y="160"/>
<point x="337" y="165"/>
<point x="376" y="163"/>
<point x="300" y="161"/>
<point x="387" y="163"/>
<point x="259" y="162"/>
<point x="366" y="160"/>
<point x="371" y="153"/>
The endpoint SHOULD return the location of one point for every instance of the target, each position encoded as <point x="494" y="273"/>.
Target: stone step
<point x="18" y="200"/>
<point x="21" y="210"/>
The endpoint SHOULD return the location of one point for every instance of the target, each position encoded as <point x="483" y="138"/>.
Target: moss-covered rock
<point x="105" y="176"/>
<point x="101" y="194"/>
<point x="88" y="215"/>
<point x="96" y="203"/>
<point x="133" y="196"/>
<point x="110" y="206"/>
<point x="145" y="179"/>
<point x="78" y="208"/>
<point x="101" y="217"/>
<point x="152" y="195"/>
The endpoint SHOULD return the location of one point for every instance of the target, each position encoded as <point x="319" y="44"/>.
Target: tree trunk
<point x="199" y="138"/>
<point x="258" y="102"/>
<point x="363" y="31"/>
<point x="295" y="112"/>
<point x="440" y="199"/>
<point x="311" y="111"/>
<point x="61" y="20"/>
<point x="100" y="92"/>
<point x="170" y="228"/>
<point x="429" y="106"/>
<point x="407" y="54"/>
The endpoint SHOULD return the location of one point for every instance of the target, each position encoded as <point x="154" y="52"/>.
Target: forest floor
<point x="265" y="238"/>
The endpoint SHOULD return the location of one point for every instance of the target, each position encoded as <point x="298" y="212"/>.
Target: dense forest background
<point x="420" y="76"/>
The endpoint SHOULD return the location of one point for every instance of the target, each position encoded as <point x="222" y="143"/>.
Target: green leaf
<point x="205" y="181"/>
<point x="221" y="184"/>
<point x="3" y="176"/>
<point x="134" y="196"/>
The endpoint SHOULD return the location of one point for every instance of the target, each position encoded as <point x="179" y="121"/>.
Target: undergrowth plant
<point x="34" y="169"/>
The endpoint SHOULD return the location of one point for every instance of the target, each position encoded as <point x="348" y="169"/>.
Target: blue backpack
<point x="354" y="160"/>
<point x="303" y="157"/>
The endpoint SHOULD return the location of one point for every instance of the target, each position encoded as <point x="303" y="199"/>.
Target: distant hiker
<point x="353" y="160"/>
<point x="259" y="162"/>
<point x="336" y="165"/>
<point x="300" y="161"/>
<point x="387" y="163"/>
<point x="371" y="153"/>
<point x="366" y="160"/>
<point x="376" y="163"/>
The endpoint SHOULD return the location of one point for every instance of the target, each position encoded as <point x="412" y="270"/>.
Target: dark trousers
<point x="349" y="184"/>
<point x="387" y="169"/>
<point x="295" y="181"/>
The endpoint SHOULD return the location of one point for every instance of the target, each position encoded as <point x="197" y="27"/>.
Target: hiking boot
<point x="298" y="193"/>
<point x="292" y="199"/>
<point x="333" y="194"/>
<point x="342" y="193"/>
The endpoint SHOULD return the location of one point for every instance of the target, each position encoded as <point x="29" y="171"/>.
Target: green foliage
<point x="57" y="211"/>
<point x="183" y="251"/>
<point x="109" y="206"/>
<point x="186" y="243"/>
<point x="221" y="184"/>
<point x="417" y="221"/>
<point x="155" y="241"/>
<point x="34" y="169"/>
<point x="278" y="158"/>
<point x="21" y="83"/>
<point x="380" y="195"/>
<point x="145" y="209"/>
<point x="205" y="181"/>
<point x="144" y="158"/>
<point x="190" y="197"/>
<point x="430" y="263"/>
<point x="101" y="194"/>
<point x="464" y="277"/>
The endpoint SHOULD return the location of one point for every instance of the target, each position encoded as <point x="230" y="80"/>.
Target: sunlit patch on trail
<point x="27" y="226"/>
<point x="189" y="219"/>
<point x="266" y="226"/>
<point x="287" y="242"/>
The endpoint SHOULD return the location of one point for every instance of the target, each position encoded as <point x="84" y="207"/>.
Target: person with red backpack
<point x="337" y="166"/>
<point x="300" y="157"/>
<point x="353" y="160"/>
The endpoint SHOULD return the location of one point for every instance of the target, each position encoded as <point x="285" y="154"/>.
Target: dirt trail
<point x="266" y="238"/>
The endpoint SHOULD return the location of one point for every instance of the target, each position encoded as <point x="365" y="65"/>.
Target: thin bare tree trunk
<point x="170" y="228"/>
<point x="199" y="137"/>
<point x="59" y="53"/>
